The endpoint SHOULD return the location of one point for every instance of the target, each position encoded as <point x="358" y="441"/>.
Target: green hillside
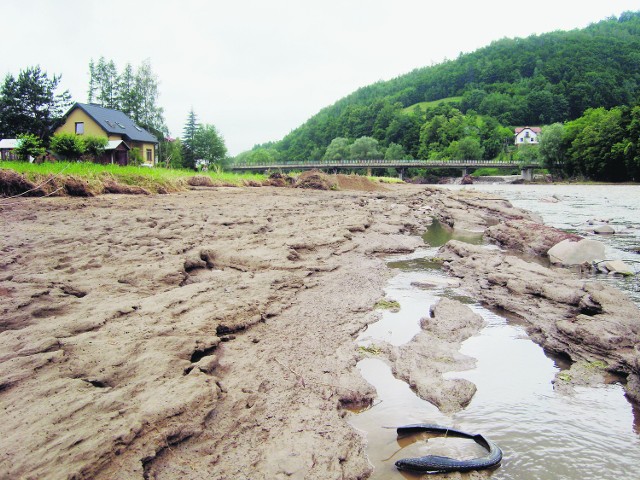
<point x="538" y="80"/>
<point x="424" y="106"/>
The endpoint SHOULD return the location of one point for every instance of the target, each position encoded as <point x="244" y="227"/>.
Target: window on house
<point x="120" y="125"/>
<point x="521" y="139"/>
<point x="149" y="158"/>
<point x="79" y="128"/>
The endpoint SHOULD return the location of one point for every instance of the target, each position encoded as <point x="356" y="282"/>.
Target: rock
<point x="568" y="252"/>
<point x="527" y="236"/>
<point x="618" y="266"/>
<point x="434" y="351"/>
<point x="585" y="320"/>
<point x="429" y="283"/>
<point x="604" y="230"/>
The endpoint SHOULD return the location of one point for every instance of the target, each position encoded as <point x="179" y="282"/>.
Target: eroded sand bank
<point x="210" y="334"/>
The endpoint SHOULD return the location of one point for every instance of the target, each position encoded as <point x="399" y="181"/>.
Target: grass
<point x="425" y="105"/>
<point x="386" y="179"/>
<point x="385" y="304"/>
<point x="370" y="349"/>
<point x="95" y="176"/>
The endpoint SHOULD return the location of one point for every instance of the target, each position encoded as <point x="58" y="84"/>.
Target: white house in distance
<point x="527" y="135"/>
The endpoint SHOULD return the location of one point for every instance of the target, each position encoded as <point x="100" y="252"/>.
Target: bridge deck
<point x="307" y="165"/>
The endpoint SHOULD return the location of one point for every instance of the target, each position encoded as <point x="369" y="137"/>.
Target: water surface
<point x="589" y="433"/>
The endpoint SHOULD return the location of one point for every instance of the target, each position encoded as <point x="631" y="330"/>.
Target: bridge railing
<point x="290" y="164"/>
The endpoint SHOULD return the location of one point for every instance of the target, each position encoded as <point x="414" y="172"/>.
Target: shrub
<point x="69" y="146"/>
<point x="29" y="145"/>
<point x="94" y="146"/>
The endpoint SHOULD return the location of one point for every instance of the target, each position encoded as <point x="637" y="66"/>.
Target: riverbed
<point x="578" y="209"/>
<point x="544" y="433"/>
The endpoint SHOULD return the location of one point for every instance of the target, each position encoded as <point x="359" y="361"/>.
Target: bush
<point x="135" y="157"/>
<point x="29" y="145"/>
<point x="94" y="146"/>
<point x="69" y="146"/>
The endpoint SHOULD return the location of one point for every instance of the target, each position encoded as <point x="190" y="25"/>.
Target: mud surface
<point x="210" y="334"/>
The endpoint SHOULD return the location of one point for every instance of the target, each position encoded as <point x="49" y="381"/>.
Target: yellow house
<point x="122" y="132"/>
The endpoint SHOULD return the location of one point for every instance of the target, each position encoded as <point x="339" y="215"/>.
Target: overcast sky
<point x="257" y="69"/>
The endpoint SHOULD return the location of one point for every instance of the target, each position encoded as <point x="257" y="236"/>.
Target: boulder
<point x="604" y="230"/>
<point x="618" y="266"/>
<point x="527" y="236"/>
<point x="568" y="252"/>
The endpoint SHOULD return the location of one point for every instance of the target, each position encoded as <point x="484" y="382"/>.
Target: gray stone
<point x="604" y="230"/>
<point x="618" y="266"/>
<point x="575" y="253"/>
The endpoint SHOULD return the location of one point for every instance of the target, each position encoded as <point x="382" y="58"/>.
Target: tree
<point x="134" y="94"/>
<point x="467" y="148"/>
<point x="69" y="146"/>
<point x="171" y="153"/>
<point x="30" y="104"/>
<point x="599" y="147"/>
<point x="149" y="115"/>
<point x="338" y="149"/>
<point x="552" y="145"/>
<point x="365" y="148"/>
<point x="527" y="154"/>
<point x="94" y="147"/>
<point x="29" y="146"/>
<point x="208" y="145"/>
<point x="188" y="140"/>
<point x="128" y="99"/>
<point x="103" y="83"/>
<point x="396" y="152"/>
<point x="632" y="148"/>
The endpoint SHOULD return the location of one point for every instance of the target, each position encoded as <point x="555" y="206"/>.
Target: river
<point x="577" y="209"/>
<point x="591" y="432"/>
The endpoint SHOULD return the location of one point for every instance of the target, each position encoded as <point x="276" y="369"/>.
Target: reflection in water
<point x="590" y="433"/>
<point x="438" y="234"/>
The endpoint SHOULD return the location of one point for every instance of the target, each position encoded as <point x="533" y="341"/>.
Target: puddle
<point x="438" y="234"/>
<point x="591" y="433"/>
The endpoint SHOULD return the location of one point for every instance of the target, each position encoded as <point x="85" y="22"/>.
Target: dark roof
<point x="116" y="122"/>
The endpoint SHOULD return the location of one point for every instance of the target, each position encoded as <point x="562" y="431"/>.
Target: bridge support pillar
<point x="401" y="173"/>
<point x="465" y="172"/>
<point x="527" y="174"/>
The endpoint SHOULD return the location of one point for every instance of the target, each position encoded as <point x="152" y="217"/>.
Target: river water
<point x="577" y="209"/>
<point x="589" y="433"/>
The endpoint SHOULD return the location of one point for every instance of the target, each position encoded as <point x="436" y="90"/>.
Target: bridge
<point x="401" y="165"/>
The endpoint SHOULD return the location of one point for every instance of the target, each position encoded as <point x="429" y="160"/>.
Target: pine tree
<point x="29" y="104"/>
<point x="188" y="140"/>
<point x="128" y="95"/>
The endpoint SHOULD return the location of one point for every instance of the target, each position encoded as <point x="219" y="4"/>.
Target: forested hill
<point x="537" y="80"/>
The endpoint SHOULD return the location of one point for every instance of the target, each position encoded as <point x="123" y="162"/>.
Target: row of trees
<point x="134" y="92"/>
<point x="439" y="133"/>
<point x="67" y="146"/>
<point x="201" y="145"/>
<point x="603" y="144"/>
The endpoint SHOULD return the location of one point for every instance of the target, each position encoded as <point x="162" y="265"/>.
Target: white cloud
<point x="258" y="69"/>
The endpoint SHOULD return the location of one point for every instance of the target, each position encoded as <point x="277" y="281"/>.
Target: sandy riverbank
<point x="211" y="333"/>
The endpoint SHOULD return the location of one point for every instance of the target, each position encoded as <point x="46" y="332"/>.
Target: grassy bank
<point x="88" y="179"/>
